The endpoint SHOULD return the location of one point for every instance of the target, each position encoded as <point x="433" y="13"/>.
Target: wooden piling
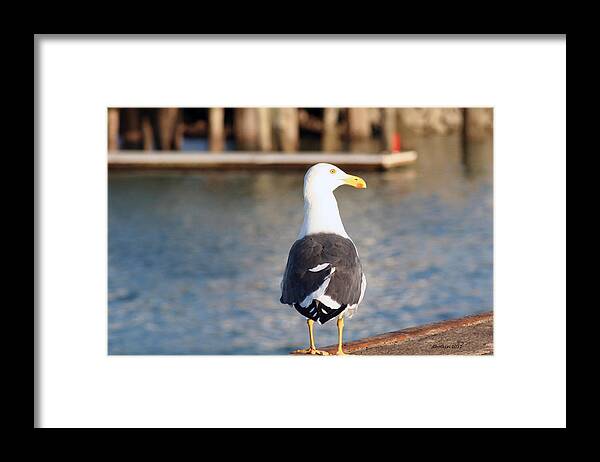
<point x="265" y="137"/>
<point x="216" y="127"/>
<point x="330" y="137"/>
<point x="113" y="129"/>
<point x="246" y="128"/>
<point x="479" y="123"/>
<point x="168" y="118"/>
<point x="359" y="123"/>
<point x="179" y="131"/>
<point x="465" y="135"/>
<point x="150" y="138"/>
<point x="289" y="131"/>
<point x="133" y="137"/>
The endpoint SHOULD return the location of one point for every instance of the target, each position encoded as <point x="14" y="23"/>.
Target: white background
<point x="523" y="384"/>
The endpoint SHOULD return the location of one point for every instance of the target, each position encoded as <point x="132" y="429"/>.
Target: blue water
<point x="195" y="259"/>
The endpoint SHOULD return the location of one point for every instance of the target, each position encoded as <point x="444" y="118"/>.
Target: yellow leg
<point x="312" y="349"/>
<point x="340" y="325"/>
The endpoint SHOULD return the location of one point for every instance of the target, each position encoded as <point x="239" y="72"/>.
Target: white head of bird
<point x="321" y="213"/>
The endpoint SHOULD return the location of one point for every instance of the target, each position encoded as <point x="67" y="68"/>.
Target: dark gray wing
<point x="343" y="267"/>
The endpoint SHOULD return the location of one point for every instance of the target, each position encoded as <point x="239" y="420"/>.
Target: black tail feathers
<point x="317" y="311"/>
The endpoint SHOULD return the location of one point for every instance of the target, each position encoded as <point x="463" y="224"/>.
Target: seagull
<point x="323" y="277"/>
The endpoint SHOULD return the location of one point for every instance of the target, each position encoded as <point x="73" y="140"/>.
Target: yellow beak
<point x="355" y="181"/>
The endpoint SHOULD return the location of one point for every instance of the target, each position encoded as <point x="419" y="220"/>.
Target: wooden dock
<point x="254" y="160"/>
<point x="471" y="335"/>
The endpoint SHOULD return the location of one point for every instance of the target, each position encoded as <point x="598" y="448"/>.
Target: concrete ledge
<point x="471" y="335"/>
<point x="247" y="160"/>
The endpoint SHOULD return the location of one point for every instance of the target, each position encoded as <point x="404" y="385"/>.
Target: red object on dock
<point x="396" y="142"/>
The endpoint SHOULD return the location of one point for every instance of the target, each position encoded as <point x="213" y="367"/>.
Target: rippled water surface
<point x="195" y="259"/>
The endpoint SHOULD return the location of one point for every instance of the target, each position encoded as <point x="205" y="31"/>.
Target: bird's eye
<point x="332" y="171"/>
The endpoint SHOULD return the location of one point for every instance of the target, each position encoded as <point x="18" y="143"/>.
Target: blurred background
<point x="287" y="129"/>
<point x="196" y="257"/>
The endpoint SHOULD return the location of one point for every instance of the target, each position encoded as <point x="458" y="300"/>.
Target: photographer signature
<point x="455" y="346"/>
